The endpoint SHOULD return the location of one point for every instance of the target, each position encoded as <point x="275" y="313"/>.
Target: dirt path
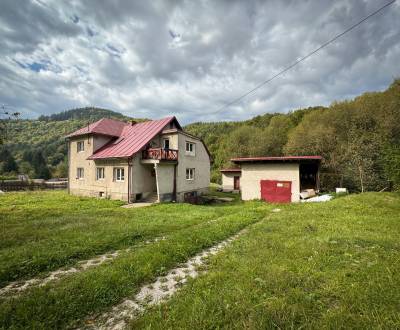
<point x="17" y="287"/>
<point x="160" y="290"/>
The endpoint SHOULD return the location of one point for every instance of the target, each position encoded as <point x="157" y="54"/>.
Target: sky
<point x="190" y="58"/>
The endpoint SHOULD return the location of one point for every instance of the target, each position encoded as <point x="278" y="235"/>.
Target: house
<point x="153" y="160"/>
<point x="274" y="179"/>
<point x="231" y="179"/>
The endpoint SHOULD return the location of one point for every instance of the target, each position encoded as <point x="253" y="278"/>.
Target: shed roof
<point x="276" y="159"/>
<point x="227" y="170"/>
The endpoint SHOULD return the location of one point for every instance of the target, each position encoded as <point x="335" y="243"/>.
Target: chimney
<point x="133" y="122"/>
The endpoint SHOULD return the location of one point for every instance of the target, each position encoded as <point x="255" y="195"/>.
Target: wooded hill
<point x="359" y="139"/>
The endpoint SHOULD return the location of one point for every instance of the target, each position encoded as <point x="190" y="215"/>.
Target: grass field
<point x="326" y="265"/>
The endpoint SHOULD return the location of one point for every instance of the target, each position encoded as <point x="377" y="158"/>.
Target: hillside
<point x="37" y="144"/>
<point x="88" y="114"/>
<point x="359" y="140"/>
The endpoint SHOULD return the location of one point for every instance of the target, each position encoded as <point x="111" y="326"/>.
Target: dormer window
<point x="80" y="146"/>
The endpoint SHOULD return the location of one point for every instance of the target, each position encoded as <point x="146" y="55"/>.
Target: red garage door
<point x="276" y="191"/>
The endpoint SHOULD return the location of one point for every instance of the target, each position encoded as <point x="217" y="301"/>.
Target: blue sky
<point x="188" y="58"/>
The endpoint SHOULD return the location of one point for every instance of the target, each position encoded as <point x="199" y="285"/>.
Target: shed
<point x="278" y="179"/>
<point x="231" y="179"/>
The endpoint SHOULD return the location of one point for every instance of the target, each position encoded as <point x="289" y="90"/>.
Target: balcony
<point x="160" y="154"/>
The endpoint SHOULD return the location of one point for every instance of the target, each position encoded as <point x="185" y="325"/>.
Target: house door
<point x="276" y="191"/>
<point x="236" y="182"/>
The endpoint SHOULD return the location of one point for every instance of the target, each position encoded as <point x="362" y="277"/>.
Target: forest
<point x="359" y="140"/>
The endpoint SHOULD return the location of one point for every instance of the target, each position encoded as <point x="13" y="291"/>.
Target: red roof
<point x="231" y="170"/>
<point x="275" y="159"/>
<point x="132" y="139"/>
<point x="103" y="126"/>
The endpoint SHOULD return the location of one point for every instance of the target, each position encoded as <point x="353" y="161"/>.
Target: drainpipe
<point x="129" y="179"/>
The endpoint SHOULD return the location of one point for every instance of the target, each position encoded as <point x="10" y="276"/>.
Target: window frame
<point x="190" y="173"/>
<point x="78" y="144"/>
<point x="80" y="173"/>
<point x="163" y="144"/>
<point x="119" y="174"/>
<point x="192" y="146"/>
<point x="100" y="170"/>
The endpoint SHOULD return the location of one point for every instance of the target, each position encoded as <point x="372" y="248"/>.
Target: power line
<point x="305" y="57"/>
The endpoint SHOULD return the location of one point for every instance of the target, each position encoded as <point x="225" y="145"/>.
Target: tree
<point x="363" y="165"/>
<point x="276" y="135"/>
<point x="61" y="170"/>
<point x="8" y="161"/>
<point x="391" y="156"/>
<point x="40" y="166"/>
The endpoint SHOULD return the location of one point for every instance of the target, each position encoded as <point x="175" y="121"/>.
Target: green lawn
<point x="329" y="265"/>
<point x="325" y="265"/>
<point x="42" y="231"/>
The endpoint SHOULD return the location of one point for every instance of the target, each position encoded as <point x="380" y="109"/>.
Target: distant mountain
<point x="91" y="114"/>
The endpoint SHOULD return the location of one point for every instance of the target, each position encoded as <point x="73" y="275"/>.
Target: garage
<point x="278" y="179"/>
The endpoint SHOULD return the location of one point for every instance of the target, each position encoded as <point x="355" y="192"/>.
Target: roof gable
<point x="133" y="138"/>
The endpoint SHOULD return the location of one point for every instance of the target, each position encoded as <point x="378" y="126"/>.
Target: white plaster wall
<point x="157" y="141"/>
<point x="142" y="180"/>
<point x="252" y="174"/>
<point x="200" y="162"/>
<point x="165" y="181"/>
<point x="227" y="180"/>
<point x="89" y="186"/>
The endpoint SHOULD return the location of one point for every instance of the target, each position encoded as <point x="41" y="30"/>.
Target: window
<point x="99" y="173"/>
<point x="80" y="146"/>
<point x="190" y="174"/>
<point x="166" y="143"/>
<point x="190" y="148"/>
<point x="119" y="174"/>
<point x="79" y="173"/>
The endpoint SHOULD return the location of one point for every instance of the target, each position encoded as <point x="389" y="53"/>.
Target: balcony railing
<point x="160" y="154"/>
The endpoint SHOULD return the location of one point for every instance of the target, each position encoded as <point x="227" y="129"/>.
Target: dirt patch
<point x="15" y="288"/>
<point x="156" y="292"/>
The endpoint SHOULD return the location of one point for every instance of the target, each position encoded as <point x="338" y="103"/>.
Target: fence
<point x="17" y="185"/>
